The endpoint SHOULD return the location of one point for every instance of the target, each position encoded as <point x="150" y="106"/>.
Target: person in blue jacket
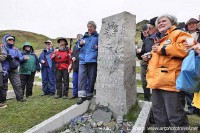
<point x="88" y="48"/>
<point x="47" y="69"/>
<point x="11" y="64"/>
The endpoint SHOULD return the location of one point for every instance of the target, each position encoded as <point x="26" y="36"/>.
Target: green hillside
<point x="139" y="29"/>
<point x="22" y="36"/>
<point x="37" y="40"/>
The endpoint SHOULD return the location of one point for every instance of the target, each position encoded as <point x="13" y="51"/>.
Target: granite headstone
<point x="116" y="76"/>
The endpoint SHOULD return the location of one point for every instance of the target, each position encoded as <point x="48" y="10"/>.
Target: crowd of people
<point x="55" y="65"/>
<point x="164" y="48"/>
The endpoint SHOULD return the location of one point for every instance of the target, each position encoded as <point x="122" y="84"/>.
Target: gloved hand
<point x="9" y="57"/>
<point x="17" y="58"/>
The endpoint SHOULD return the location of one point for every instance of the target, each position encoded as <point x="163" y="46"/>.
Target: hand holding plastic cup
<point x="138" y="50"/>
<point x="73" y="59"/>
<point x="82" y="41"/>
<point x="26" y="57"/>
<point x="42" y="61"/>
<point x="190" y="41"/>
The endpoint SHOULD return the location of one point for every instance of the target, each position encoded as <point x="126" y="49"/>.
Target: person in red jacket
<point x="62" y="59"/>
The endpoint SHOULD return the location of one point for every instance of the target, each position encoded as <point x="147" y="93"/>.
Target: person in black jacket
<point x="75" y="67"/>
<point x="75" y="59"/>
<point x="148" y="42"/>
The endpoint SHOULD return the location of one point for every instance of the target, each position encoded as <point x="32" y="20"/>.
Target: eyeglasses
<point x="48" y="43"/>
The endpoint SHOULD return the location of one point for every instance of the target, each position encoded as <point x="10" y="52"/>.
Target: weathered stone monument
<point x="116" y="77"/>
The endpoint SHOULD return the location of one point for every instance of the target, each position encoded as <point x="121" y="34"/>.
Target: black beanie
<point x="153" y="21"/>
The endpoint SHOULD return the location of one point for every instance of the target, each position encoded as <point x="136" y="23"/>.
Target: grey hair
<point x="172" y="18"/>
<point x="92" y="23"/>
<point x="79" y="35"/>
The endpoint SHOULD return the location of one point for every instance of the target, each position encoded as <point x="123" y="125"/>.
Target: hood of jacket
<point x="28" y="44"/>
<point x="5" y="42"/>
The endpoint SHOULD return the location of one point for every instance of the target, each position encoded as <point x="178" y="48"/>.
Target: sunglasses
<point x="48" y="43"/>
<point x="11" y="40"/>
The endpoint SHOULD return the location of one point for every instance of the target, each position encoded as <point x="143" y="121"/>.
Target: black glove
<point x="17" y="58"/>
<point x="9" y="57"/>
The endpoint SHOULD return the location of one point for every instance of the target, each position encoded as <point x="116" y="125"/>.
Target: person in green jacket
<point x="28" y="69"/>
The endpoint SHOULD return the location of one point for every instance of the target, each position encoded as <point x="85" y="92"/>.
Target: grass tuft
<point x="133" y="113"/>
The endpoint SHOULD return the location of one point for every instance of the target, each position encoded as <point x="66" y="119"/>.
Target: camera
<point x="59" y="56"/>
<point x="148" y="55"/>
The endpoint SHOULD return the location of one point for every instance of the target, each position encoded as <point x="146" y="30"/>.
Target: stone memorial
<point x="116" y="76"/>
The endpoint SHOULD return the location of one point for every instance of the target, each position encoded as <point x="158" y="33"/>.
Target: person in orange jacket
<point x="62" y="58"/>
<point x="164" y="67"/>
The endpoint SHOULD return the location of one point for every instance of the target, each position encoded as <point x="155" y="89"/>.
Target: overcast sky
<point x="56" y="18"/>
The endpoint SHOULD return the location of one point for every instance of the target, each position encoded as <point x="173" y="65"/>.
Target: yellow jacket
<point x="165" y="65"/>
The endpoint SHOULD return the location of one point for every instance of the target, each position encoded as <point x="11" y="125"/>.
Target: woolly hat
<point x="153" y="21"/>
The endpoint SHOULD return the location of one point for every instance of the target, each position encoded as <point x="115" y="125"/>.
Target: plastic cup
<point x="83" y="41"/>
<point x="190" y="41"/>
<point x="26" y="56"/>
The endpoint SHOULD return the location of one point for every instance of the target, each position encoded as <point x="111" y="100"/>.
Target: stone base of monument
<point x="90" y="118"/>
<point x="100" y="119"/>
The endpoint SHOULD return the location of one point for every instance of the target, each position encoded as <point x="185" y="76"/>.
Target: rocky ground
<point x="99" y="119"/>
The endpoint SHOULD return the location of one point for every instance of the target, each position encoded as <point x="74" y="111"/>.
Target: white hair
<point x="172" y="18"/>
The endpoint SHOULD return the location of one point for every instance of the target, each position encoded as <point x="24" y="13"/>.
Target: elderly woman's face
<point x="91" y="29"/>
<point x="164" y="23"/>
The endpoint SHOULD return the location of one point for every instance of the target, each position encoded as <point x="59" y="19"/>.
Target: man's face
<point x="152" y="29"/>
<point x="11" y="41"/>
<point x="192" y="26"/>
<point x="145" y="33"/>
<point x="91" y="29"/>
<point x="48" y="45"/>
<point x="62" y="43"/>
